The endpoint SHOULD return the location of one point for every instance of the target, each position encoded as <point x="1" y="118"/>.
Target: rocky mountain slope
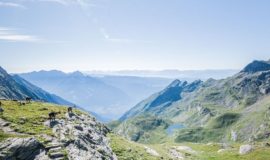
<point x="235" y="108"/>
<point x="27" y="134"/>
<point x="158" y="102"/>
<point x="15" y="87"/>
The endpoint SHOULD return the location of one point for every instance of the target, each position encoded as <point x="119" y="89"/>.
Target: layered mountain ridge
<point x="212" y="107"/>
<point x="108" y="96"/>
<point x="15" y="87"/>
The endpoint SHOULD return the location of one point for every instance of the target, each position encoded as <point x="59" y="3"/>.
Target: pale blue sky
<point x="132" y="34"/>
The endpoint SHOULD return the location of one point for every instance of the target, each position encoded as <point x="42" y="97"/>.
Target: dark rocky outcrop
<point x="257" y="66"/>
<point x="20" y="149"/>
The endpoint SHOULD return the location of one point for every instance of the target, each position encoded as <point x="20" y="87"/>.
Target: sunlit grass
<point x="30" y="118"/>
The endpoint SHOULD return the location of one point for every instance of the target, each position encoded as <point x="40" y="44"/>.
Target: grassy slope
<point x="35" y="114"/>
<point x="144" y="129"/>
<point x="29" y="119"/>
<point x="127" y="150"/>
<point x="4" y="136"/>
<point x="209" y="152"/>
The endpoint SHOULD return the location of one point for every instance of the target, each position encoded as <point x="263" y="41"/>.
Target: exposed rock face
<point x="81" y="137"/>
<point x="256" y="66"/>
<point x="245" y="149"/>
<point x="158" y="102"/>
<point x="77" y="137"/>
<point x="20" y="148"/>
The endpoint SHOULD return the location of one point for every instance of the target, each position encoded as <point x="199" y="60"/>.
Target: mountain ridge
<point x="211" y="102"/>
<point x="89" y="92"/>
<point x="15" y="87"/>
<point x="256" y="66"/>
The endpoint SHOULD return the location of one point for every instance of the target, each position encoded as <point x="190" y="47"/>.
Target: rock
<point x="256" y="66"/>
<point x="185" y="149"/>
<point x="225" y="146"/>
<point x="205" y="111"/>
<point x="56" y="149"/>
<point x="78" y="127"/>
<point x="245" y="149"/>
<point x="233" y="136"/>
<point x="151" y="151"/>
<point x="20" y="148"/>
<point x="56" y="155"/>
<point x="82" y="138"/>
<point x="176" y="155"/>
<point x="53" y="145"/>
<point x="5" y="124"/>
<point x="77" y="137"/>
<point x="221" y="150"/>
<point x="42" y="156"/>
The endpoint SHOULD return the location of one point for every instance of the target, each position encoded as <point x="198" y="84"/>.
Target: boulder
<point x="233" y="136"/>
<point x="245" y="149"/>
<point x="151" y="151"/>
<point x="185" y="149"/>
<point x="221" y="150"/>
<point x="20" y="148"/>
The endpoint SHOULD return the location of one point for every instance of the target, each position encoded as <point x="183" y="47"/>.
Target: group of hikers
<point x="52" y="114"/>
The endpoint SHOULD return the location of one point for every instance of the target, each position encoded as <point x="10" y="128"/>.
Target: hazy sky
<point x="132" y="34"/>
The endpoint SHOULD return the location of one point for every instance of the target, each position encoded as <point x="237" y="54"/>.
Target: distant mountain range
<point x="16" y="88"/>
<point x="108" y="96"/>
<point x="231" y="109"/>
<point x="189" y="75"/>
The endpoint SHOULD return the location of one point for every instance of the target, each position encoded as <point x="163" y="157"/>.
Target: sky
<point x="85" y="35"/>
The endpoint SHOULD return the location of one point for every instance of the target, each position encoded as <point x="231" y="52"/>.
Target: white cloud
<point x="10" y="4"/>
<point x="10" y="35"/>
<point x="62" y="2"/>
<point x="82" y="3"/>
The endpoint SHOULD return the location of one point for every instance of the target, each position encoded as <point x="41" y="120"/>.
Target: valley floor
<point x="127" y="150"/>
